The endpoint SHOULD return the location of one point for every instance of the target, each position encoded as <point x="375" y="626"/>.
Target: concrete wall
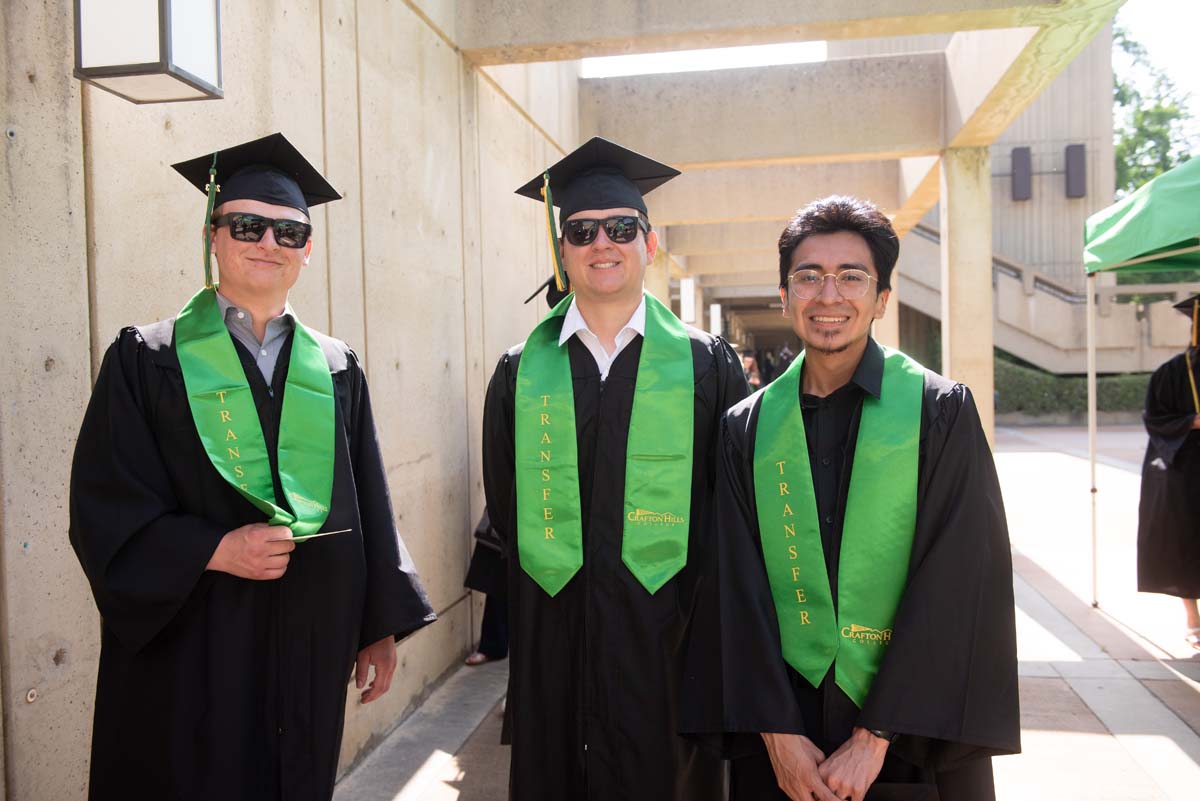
<point x="1046" y="232"/>
<point x="1076" y="108"/>
<point x="421" y="268"/>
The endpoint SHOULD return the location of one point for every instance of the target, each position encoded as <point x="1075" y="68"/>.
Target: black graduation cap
<point x="600" y="175"/>
<point x="1191" y="307"/>
<point x="553" y="294"/>
<point x="269" y="169"/>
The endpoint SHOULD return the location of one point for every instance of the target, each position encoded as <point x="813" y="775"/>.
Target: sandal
<point x="479" y="658"/>
<point x="1192" y="637"/>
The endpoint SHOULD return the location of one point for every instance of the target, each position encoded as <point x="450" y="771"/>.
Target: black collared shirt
<point x="831" y="429"/>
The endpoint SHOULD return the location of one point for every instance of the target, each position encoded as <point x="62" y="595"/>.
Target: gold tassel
<point x="1187" y="359"/>
<point x="560" y="277"/>
<point x="1195" y="315"/>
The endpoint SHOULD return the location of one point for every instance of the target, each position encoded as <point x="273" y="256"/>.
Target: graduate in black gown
<point x="226" y="646"/>
<point x="595" y="656"/>
<point x="944" y="697"/>
<point x="1169" y="513"/>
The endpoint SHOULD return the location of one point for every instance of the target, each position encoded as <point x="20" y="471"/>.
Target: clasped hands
<point x="804" y="773"/>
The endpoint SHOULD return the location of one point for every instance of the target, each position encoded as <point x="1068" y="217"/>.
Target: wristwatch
<point x="883" y="734"/>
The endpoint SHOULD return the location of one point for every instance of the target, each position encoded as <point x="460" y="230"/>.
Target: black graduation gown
<point x="1169" y="512"/>
<point x="948" y="683"/>
<point x="212" y="686"/>
<point x="594" y="671"/>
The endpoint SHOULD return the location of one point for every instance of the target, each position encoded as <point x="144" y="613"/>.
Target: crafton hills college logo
<point x="646" y="517"/>
<point x="867" y="635"/>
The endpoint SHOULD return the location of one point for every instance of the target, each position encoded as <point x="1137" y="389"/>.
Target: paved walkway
<point x="1110" y="697"/>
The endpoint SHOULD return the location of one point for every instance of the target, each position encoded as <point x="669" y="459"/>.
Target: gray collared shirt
<point x="241" y="326"/>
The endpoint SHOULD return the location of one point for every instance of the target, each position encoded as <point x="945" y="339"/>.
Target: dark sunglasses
<point x="621" y="229"/>
<point x="246" y="227"/>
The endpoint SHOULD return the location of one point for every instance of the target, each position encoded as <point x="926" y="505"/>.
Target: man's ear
<point x="881" y="303"/>
<point x="651" y="245"/>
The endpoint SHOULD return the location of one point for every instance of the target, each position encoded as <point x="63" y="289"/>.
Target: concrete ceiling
<point x="757" y="143"/>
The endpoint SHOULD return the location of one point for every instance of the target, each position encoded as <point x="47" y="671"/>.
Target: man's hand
<point x="795" y="759"/>
<point x="1196" y="421"/>
<point x="382" y="655"/>
<point x="852" y="769"/>
<point x="248" y="552"/>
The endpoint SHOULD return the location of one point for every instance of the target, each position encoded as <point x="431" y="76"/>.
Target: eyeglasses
<point x="851" y="284"/>
<point x="620" y="229"/>
<point x="246" y="227"/>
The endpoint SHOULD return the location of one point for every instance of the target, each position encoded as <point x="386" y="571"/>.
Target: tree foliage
<point x="1150" y="135"/>
<point x="1150" y="118"/>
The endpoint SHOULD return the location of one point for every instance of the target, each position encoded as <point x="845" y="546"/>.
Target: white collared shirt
<point x="574" y="323"/>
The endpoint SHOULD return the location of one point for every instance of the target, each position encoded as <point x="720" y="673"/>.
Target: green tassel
<point x="213" y="189"/>
<point x="560" y="277"/>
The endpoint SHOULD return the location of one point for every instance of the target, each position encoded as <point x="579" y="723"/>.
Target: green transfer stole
<point x="658" y="456"/>
<point x="877" y="534"/>
<point x="226" y="418"/>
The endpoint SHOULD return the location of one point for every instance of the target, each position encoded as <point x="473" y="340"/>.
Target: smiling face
<point x="258" y="270"/>
<point x="829" y="323"/>
<point x="603" y="270"/>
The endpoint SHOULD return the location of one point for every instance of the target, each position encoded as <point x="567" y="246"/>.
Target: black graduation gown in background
<point x="1169" y="512"/>
<point x="948" y="682"/>
<point x="594" y="671"/>
<point x="213" y="686"/>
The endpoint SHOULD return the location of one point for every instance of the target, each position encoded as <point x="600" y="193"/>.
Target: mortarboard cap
<point x="600" y="175"/>
<point x="1191" y="307"/>
<point x="269" y="169"/>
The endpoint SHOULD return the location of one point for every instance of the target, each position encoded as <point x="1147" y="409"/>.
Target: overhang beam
<point x="507" y="31"/>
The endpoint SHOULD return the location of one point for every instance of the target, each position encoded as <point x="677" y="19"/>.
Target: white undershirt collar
<point x="574" y="324"/>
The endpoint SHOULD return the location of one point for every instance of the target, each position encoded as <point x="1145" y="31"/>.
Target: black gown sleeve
<point x="735" y="683"/>
<point x="143" y="556"/>
<point x="1169" y="408"/>
<point x="948" y="682"/>
<point x="733" y="386"/>
<point x="395" y="602"/>
<point x="499" y="459"/>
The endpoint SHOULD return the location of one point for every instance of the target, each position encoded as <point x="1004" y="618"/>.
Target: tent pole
<point x="1091" y="390"/>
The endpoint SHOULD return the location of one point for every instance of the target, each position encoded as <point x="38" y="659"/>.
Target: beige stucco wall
<point x="421" y="268"/>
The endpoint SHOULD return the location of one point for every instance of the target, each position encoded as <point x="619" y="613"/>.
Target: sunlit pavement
<point x="1110" y="697"/>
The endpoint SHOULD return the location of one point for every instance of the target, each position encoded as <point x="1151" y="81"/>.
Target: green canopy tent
<point x="1154" y="229"/>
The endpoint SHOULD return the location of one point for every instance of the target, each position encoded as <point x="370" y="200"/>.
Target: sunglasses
<point x="621" y="229"/>
<point x="851" y="284"/>
<point x="246" y="227"/>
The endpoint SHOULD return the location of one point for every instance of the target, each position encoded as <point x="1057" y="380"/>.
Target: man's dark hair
<point x="842" y="213"/>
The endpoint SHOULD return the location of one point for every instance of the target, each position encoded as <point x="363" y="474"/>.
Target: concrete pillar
<point x="658" y="277"/>
<point x="966" y="249"/>
<point x="691" y="302"/>
<point x="700" y="306"/>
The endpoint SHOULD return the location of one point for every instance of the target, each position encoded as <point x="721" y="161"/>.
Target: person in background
<point x="1168" y="558"/>
<point x="750" y="369"/>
